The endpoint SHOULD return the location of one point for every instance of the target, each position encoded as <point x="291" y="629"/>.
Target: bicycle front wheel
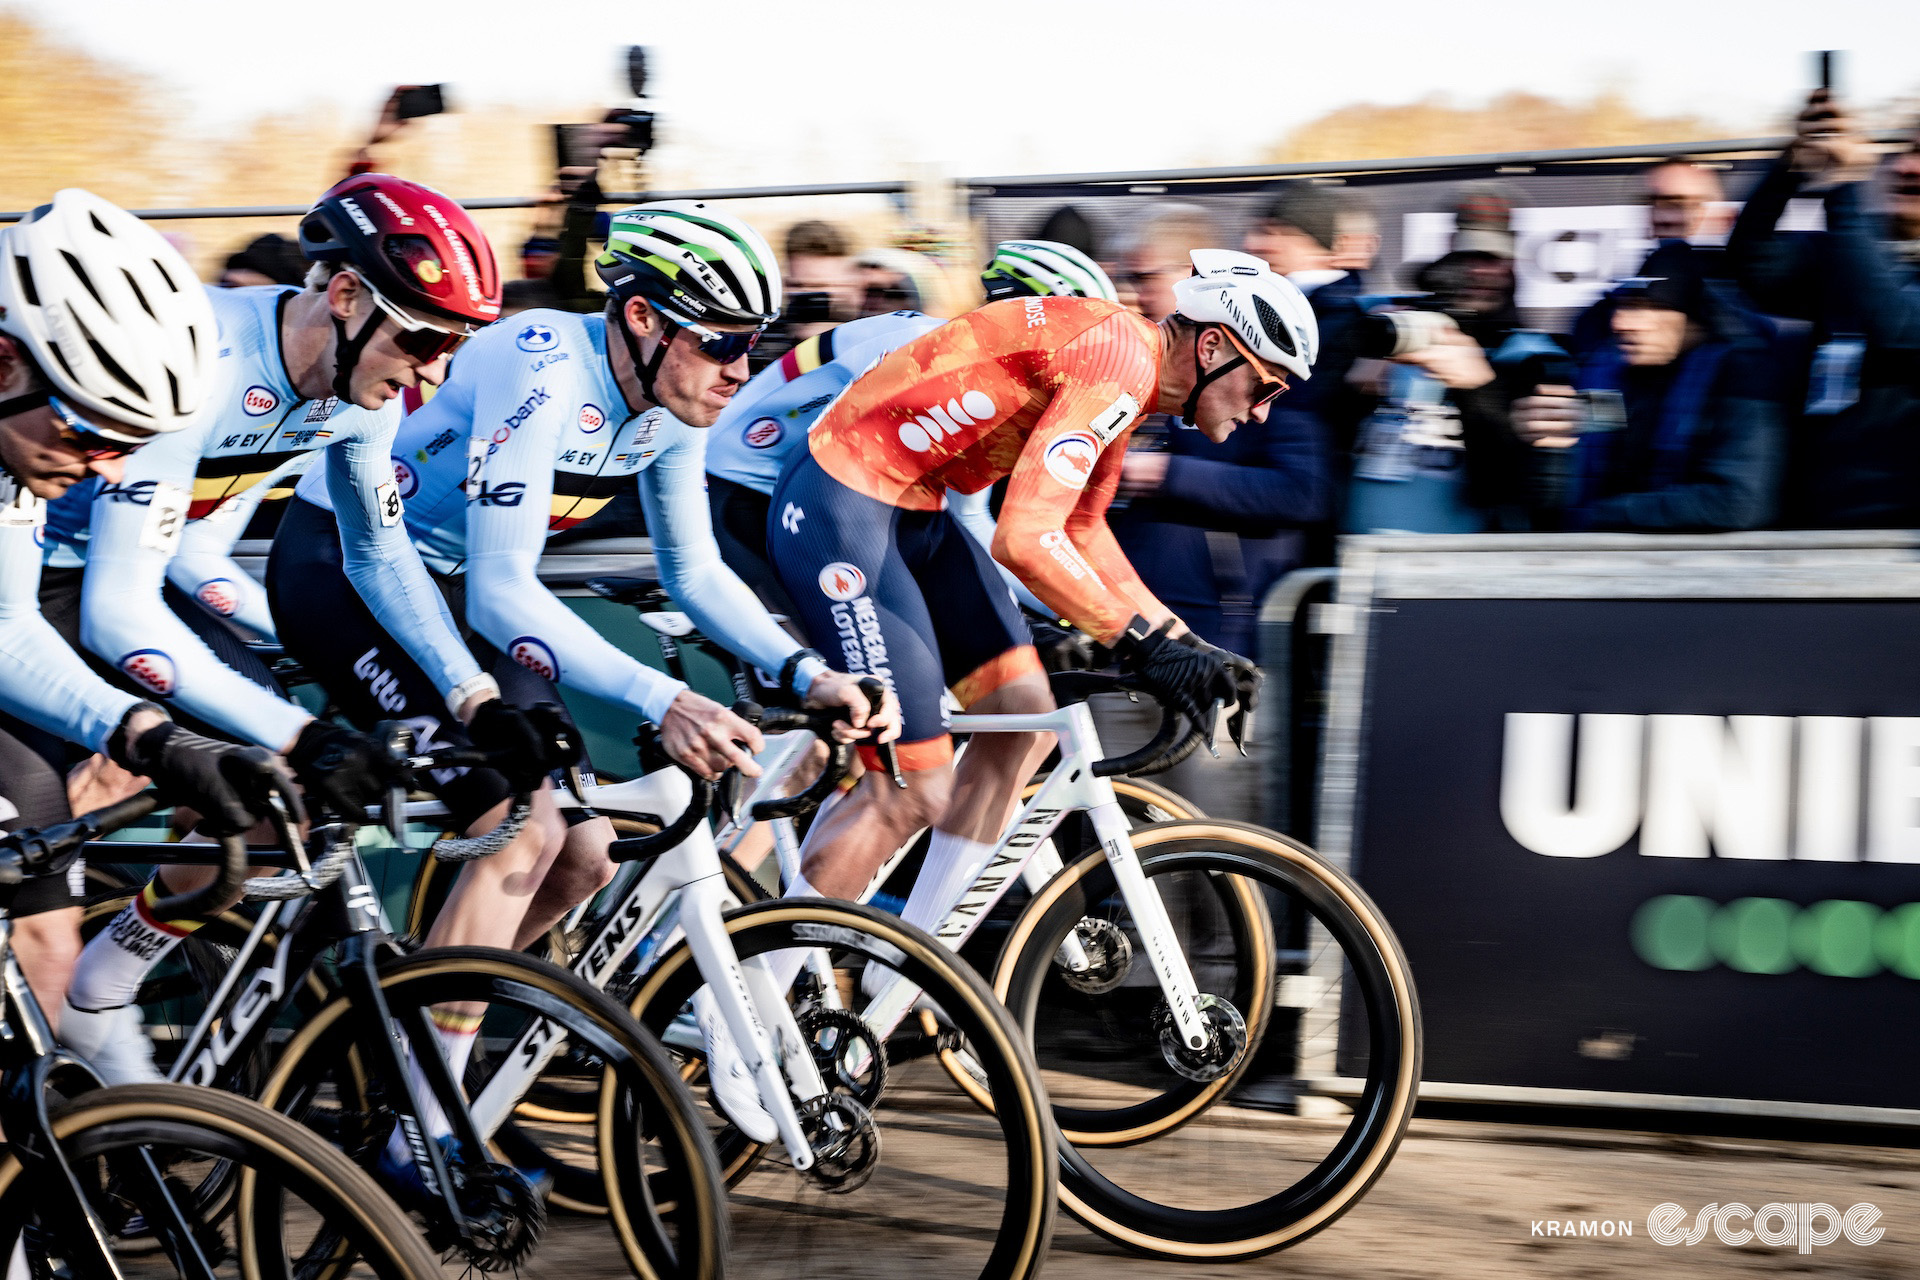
<point x="923" y="1178"/>
<point x="1232" y="1153"/>
<point x="185" y="1131"/>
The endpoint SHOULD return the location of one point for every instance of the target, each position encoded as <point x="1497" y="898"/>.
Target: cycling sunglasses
<point x="416" y="339"/>
<point x="1271" y="383"/>
<point x="83" y="435"/>
<point x="721" y="348"/>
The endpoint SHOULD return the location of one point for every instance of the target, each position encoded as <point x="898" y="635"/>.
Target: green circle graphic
<point x="1670" y="932"/>
<point x="1896" y="940"/>
<point x="1837" y="939"/>
<point x="1752" y="935"/>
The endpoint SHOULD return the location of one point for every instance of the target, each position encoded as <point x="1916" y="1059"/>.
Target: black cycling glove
<point x="1061" y="648"/>
<point x="1188" y="679"/>
<point x="1245" y="672"/>
<point x="532" y="743"/>
<point x="226" y="784"/>
<point x="343" y="769"/>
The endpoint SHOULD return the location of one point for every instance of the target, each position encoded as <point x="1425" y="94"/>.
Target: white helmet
<point x="110" y="312"/>
<point x="1044" y="268"/>
<point x="1265" y="311"/>
<point x="695" y="263"/>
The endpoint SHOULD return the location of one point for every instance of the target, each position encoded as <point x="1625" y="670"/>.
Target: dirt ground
<point x="1461" y="1199"/>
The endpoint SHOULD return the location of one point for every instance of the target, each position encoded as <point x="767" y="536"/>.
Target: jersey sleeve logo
<point x="537" y="337"/>
<point x="1070" y="459"/>
<point x="152" y="670"/>
<point x="532" y="653"/>
<point x="219" y="595"/>
<point x="407" y="478"/>
<point x="592" y="418"/>
<point x="842" y="581"/>
<point x="258" y="401"/>
<point x="763" y="433"/>
<point x="945" y="420"/>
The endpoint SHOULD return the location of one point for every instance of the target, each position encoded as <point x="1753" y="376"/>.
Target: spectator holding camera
<point x="1667" y="426"/>
<point x="1856" y="448"/>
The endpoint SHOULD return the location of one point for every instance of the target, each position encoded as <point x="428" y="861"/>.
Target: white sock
<point x="456" y="1033"/>
<point x="111" y="969"/>
<point x="784" y="966"/>
<point x="953" y="864"/>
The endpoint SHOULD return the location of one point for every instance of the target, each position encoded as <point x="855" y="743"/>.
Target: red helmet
<point x="416" y="248"/>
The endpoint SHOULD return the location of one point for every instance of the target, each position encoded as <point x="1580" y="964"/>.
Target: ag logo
<point x="537" y="337"/>
<point x="532" y="653"/>
<point x="407" y="478"/>
<point x="592" y="418"/>
<point x="763" y="433"/>
<point x="842" y="581"/>
<point x="259" y="401"/>
<point x="1070" y="459"/>
<point x="152" y="670"/>
<point x="218" y="594"/>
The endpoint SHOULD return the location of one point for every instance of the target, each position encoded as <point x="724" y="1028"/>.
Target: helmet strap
<point x="1204" y="378"/>
<point x="346" y="352"/>
<point x="645" y="371"/>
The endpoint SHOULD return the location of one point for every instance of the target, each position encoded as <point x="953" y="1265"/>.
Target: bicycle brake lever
<point x="1212" y="723"/>
<point x="890" y="760"/>
<point x="1239" y="725"/>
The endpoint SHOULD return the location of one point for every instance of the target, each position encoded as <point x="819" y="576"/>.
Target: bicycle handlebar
<point x="1168" y="746"/>
<point x="47" y="851"/>
<point x="397" y="737"/>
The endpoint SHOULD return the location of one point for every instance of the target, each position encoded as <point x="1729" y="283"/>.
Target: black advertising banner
<point x="1660" y="846"/>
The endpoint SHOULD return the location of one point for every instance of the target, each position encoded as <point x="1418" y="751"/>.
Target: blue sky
<point x="852" y="89"/>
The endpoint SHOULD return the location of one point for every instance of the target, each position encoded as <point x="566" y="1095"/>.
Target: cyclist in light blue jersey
<point x="767" y="423"/>
<point x="69" y="414"/>
<point x="543" y="420"/>
<point x="402" y="275"/>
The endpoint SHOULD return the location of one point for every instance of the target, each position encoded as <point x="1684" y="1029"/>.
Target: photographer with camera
<point x="1666" y="418"/>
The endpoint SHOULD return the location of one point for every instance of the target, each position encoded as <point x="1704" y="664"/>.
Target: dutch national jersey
<point x="130" y="532"/>
<point x="531" y="435"/>
<point x="1041" y="390"/>
<point x="770" y="417"/>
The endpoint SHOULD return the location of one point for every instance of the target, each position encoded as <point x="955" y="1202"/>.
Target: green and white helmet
<point x="1043" y="268"/>
<point x="694" y="263"/>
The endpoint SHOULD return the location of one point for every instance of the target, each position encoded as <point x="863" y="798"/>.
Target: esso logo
<point x="763" y="433"/>
<point x="219" y="595"/>
<point x="532" y="653"/>
<point x="152" y="670"/>
<point x="842" y="581"/>
<point x="259" y="401"/>
<point x="592" y="418"/>
<point x="1070" y="459"/>
<point x="406" y="478"/>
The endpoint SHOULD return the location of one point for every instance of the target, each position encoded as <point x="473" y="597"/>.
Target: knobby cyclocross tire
<point x="1383" y="994"/>
<point x="682" y="1235"/>
<point x="222" y="1125"/>
<point x="1026" y="1221"/>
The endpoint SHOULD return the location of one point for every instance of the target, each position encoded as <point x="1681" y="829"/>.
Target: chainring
<point x="829" y="1034"/>
<point x="844" y="1140"/>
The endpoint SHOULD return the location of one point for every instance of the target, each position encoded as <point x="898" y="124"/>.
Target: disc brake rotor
<point x="1226" y="1040"/>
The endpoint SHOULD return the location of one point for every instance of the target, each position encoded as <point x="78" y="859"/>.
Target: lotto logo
<point x="940" y="421"/>
<point x="152" y="670"/>
<point x="763" y="433"/>
<point x="532" y="653"/>
<point x="592" y="418"/>
<point x="1070" y="459"/>
<point x="218" y="594"/>
<point x="842" y="581"/>
<point x="259" y="401"/>
<point x="537" y="337"/>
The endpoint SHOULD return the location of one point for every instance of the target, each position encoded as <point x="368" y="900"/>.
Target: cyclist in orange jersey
<point x="1044" y="391"/>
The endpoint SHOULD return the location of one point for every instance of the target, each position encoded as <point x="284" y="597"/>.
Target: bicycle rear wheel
<point x="185" y="1130"/>
<point x="933" y="1181"/>
<point x="669" y="1205"/>
<point x="1217" y="1159"/>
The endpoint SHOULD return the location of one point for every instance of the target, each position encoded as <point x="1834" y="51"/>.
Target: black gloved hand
<point x="1061" y="648"/>
<point x="1188" y="679"/>
<point x="344" y="770"/>
<point x="531" y="743"/>
<point x="1246" y="673"/>
<point x="226" y="784"/>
